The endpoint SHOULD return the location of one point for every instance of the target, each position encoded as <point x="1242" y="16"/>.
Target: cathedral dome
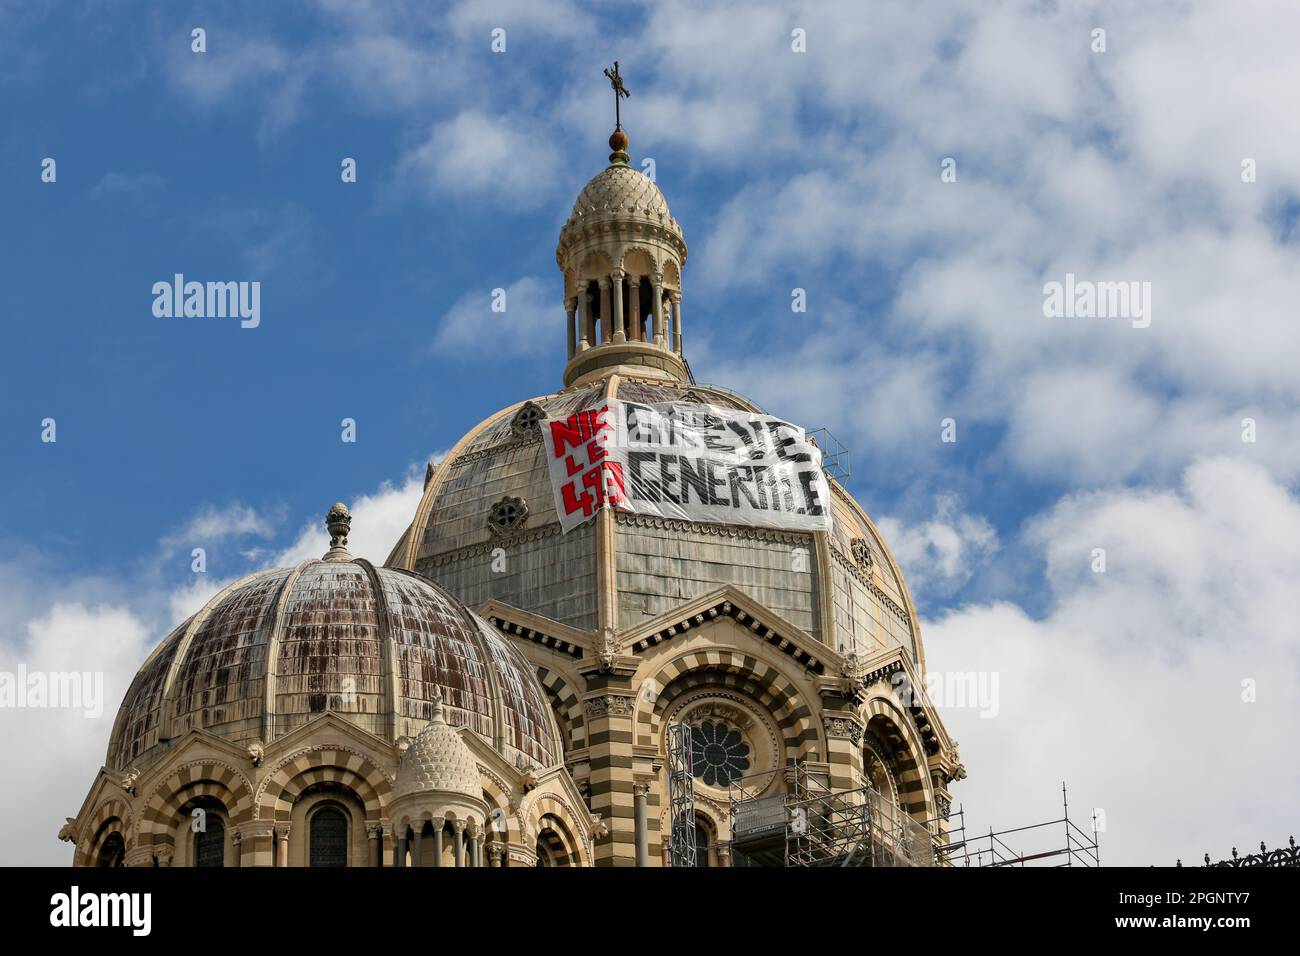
<point x="619" y="191"/>
<point x="381" y="648"/>
<point x="858" y="595"/>
<point x="437" y="761"/>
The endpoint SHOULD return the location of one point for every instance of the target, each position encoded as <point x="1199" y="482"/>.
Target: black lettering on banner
<point x="809" y="481"/>
<point x="667" y="478"/>
<point x="747" y="437"/>
<point x="695" y="478"/>
<point x="740" y="476"/>
<point x="640" y="427"/>
<point x="643" y="487"/>
<point x="785" y="441"/>
<point x="717" y="475"/>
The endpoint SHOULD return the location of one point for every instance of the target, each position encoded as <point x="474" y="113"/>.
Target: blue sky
<point x="816" y="170"/>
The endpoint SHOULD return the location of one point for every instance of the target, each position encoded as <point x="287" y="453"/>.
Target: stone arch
<point x="595" y="265"/>
<point x="672" y="276"/>
<point x="639" y="260"/>
<point x="550" y="811"/>
<point x="111" y="816"/>
<point x="569" y="713"/>
<point x="765" y="684"/>
<point x="502" y="825"/>
<point x="199" y="778"/>
<point x="344" y="767"/>
<point x="888" y="723"/>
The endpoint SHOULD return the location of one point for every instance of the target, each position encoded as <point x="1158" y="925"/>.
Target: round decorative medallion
<point x="862" y="554"/>
<point x="526" y="420"/>
<point x="507" y="515"/>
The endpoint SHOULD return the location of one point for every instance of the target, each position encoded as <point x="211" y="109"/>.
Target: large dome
<point x="658" y="563"/>
<point x="374" y="646"/>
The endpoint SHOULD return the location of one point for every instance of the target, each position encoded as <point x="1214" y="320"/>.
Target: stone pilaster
<point x="610" y="703"/>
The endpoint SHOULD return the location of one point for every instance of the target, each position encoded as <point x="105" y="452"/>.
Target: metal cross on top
<point x="620" y="91"/>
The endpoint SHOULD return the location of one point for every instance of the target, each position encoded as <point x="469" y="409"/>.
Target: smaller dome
<point x="438" y="760"/>
<point x="619" y="190"/>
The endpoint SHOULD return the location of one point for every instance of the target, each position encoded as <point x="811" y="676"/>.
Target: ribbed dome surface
<point x="372" y="645"/>
<point x="620" y="190"/>
<point x="437" y="760"/>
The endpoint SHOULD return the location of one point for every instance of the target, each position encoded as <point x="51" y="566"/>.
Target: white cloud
<point x="507" y="159"/>
<point x="944" y="551"/>
<point x="59" y="750"/>
<point x="1130" y="687"/>
<point x="378" y="520"/>
<point x="533" y="320"/>
<point x="213" y="523"/>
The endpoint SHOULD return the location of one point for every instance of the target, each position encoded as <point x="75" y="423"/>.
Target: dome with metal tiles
<point x="437" y="761"/>
<point x="384" y="649"/>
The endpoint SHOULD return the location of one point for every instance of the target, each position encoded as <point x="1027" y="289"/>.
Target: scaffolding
<point x="1039" y="844"/>
<point x="807" y="823"/>
<point x="835" y="456"/>
<point x="681" y="797"/>
<point x="792" y="817"/>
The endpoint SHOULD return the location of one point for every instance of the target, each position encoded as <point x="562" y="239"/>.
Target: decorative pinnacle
<point x="339" y="523"/>
<point x="618" y="139"/>
<point x="436" y="699"/>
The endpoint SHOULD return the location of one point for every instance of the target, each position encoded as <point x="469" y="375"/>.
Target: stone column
<point x="401" y="848"/>
<point x="458" y="841"/>
<point x="639" y="793"/>
<point x="620" y="335"/>
<point x="417" y="839"/>
<point x="609" y="705"/>
<point x="584" y="319"/>
<point x="724" y="855"/>
<point x="606" y="332"/>
<point x="282" y="845"/>
<point x="657" y="308"/>
<point x="164" y="852"/>
<point x="494" y="856"/>
<point x="476" y="850"/>
<point x="258" y="843"/>
<point x="677" y="322"/>
<point x="570" y="310"/>
<point x="634" y="312"/>
<point x="437" y="843"/>
<point x="236" y="842"/>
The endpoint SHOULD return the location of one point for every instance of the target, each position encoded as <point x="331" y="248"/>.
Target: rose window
<point x="718" y="753"/>
<point x="507" y="514"/>
<point x="526" y="420"/>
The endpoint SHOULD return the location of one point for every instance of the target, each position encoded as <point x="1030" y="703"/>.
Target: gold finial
<point x="618" y="139"/>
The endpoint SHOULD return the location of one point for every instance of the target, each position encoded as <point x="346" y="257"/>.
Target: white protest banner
<point x="687" y="461"/>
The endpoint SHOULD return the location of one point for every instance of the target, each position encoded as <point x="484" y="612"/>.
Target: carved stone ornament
<point x="862" y="554"/>
<point x="256" y="752"/>
<point x="527" y="420"/>
<point x="68" y="832"/>
<point x="507" y="515"/>
<point x="128" y="780"/>
<point x="846" y="727"/>
<point x="609" y="705"/>
<point x="608" y="649"/>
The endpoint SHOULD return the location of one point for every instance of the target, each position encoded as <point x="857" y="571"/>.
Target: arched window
<point x="703" y="839"/>
<point x="113" y="852"/>
<point x="328" y="838"/>
<point x="210" y="843"/>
